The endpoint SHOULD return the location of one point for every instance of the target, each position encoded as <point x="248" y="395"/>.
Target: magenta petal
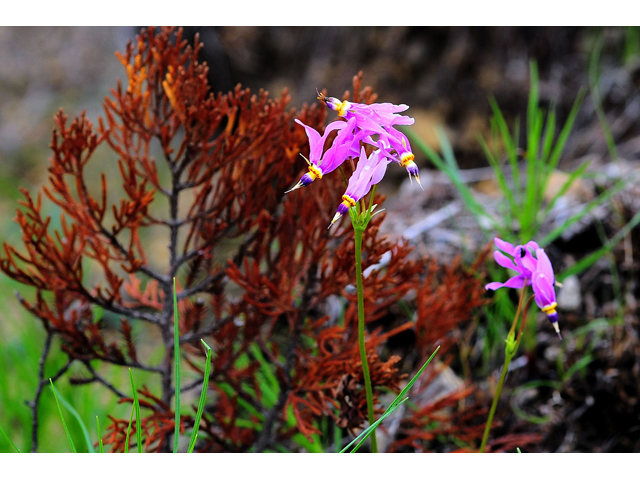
<point x="543" y="290"/>
<point x="315" y="142"/>
<point x="544" y="265"/>
<point x="532" y="245"/>
<point x="506" y="247"/>
<point x="516" y="282"/>
<point x="494" y="285"/>
<point x="504" y="261"/>
<point x="529" y="263"/>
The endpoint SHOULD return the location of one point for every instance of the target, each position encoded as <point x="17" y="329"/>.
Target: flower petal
<point x="543" y="290"/>
<point x="506" y="247"/>
<point x="494" y="285"/>
<point x="505" y="261"/>
<point x="544" y="265"/>
<point x="516" y="282"/>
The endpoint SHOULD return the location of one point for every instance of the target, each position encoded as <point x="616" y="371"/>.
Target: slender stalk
<point x="510" y="351"/>
<point x="359" y="230"/>
<point x="496" y="397"/>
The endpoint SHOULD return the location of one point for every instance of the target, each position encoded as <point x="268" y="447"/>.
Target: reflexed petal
<point x="494" y="285"/>
<point x="516" y="282"/>
<point x="544" y="265"/>
<point x="505" y="261"/>
<point x="532" y="245"/>
<point x="315" y="142"/>
<point x="506" y="247"/>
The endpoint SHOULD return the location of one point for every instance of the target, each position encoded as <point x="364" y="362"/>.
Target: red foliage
<point x="258" y="272"/>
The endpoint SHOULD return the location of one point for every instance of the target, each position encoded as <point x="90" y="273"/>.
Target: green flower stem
<point x="359" y="230"/>
<point x="510" y="351"/>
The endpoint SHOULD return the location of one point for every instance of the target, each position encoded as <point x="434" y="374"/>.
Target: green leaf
<point x="203" y="398"/>
<point x="64" y="424"/>
<point x="176" y="359"/>
<point x="136" y="405"/>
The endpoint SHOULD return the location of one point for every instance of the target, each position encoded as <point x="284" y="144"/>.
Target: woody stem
<point x="359" y="230"/>
<point x="510" y="351"/>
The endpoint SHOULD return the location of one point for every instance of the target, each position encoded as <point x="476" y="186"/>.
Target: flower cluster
<point x="360" y="125"/>
<point x="535" y="271"/>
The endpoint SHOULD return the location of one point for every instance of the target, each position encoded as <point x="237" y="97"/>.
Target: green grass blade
<point x="607" y="247"/>
<point x="556" y="232"/>
<point x="564" y="133"/>
<point x="136" y="405"/>
<point x="398" y="400"/>
<point x="594" y="87"/>
<point x="502" y="182"/>
<point x="126" y="442"/>
<point x="578" y="366"/>
<point x="64" y="424"/>
<point x="203" y="398"/>
<point x="469" y="200"/>
<point x="406" y="389"/>
<point x="265" y="367"/>
<point x="99" y="435"/>
<point x="9" y="440"/>
<point x="83" y="427"/>
<point x="533" y="111"/>
<point x="549" y="134"/>
<point x="176" y="357"/>
<point x="369" y="430"/>
<point x="509" y="147"/>
<point x="535" y="119"/>
<point x="577" y="173"/>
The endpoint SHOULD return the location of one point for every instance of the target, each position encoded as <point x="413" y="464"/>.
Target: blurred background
<point x="447" y="76"/>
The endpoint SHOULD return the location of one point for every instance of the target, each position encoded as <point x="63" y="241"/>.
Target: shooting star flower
<point x="392" y="140"/>
<point x="543" y="282"/>
<point x="522" y="262"/>
<point x="535" y="271"/>
<point x="346" y="144"/>
<point x="368" y="172"/>
<point x="373" y="114"/>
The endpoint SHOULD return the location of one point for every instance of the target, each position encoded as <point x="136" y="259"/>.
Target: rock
<point x="569" y="295"/>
